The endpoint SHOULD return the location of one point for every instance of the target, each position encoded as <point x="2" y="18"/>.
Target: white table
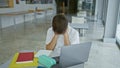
<point x="80" y="26"/>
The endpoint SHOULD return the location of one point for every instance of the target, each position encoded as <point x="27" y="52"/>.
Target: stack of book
<point x="28" y="59"/>
<point x="24" y="59"/>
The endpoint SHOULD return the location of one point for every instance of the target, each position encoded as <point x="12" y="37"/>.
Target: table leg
<point x="46" y="16"/>
<point x="35" y="17"/>
<point x="24" y="18"/>
<point x="14" y="25"/>
<point x="14" y="22"/>
<point x="31" y="17"/>
<point x="83" y="32"/>
<point x="79" y="31"/>
<point x="1" y="31"/>
<point x="24" y="23"/>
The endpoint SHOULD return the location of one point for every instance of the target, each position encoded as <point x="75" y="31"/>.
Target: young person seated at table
<point x="60" y="34"/>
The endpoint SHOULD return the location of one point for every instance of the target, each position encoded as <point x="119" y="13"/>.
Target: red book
<point x="25" y="57"/>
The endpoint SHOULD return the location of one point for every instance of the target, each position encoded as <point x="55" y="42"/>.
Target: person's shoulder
<point x="50" y="29"/>
<point x="72" y="30"/>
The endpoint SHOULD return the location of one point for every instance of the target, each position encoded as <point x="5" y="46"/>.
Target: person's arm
<point x="66" y="38"/>
<point x="52" y="44"/>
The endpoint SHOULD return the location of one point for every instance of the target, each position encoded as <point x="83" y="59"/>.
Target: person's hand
<point x="66" y="38"/>
<point x="66" y="33"/>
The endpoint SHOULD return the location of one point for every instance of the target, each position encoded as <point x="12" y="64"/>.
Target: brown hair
<point x="59" y="23"/>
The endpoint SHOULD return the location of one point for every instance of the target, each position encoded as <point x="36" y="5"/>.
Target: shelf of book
<point x="13" y="63"/>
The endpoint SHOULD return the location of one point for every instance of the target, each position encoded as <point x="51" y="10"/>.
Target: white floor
<point x="32" y="37"/>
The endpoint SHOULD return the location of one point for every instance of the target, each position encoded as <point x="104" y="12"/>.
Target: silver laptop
<point x="74" y="54"/>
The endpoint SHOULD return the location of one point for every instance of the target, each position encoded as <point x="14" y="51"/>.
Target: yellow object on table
<point x="13" y="63"/>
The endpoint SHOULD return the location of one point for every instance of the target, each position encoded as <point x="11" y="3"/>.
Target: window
<point x="87" y="6"/>
<point x="118" y="27"/>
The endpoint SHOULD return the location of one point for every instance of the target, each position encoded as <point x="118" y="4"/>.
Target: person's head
<point x="59" y="24"/>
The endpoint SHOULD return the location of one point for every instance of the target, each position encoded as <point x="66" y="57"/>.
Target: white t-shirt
<point x="73" y="38"/>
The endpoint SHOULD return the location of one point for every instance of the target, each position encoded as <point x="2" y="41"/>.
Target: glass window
<point x="118" y="27"/>
<point x="86" y="7"/>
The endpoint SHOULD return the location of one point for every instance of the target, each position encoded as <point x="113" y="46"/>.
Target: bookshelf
<point x="11" y="4"/>
<point x="6" y="3"/>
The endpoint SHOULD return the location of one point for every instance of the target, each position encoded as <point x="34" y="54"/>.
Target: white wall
<point x="22" y="6"/>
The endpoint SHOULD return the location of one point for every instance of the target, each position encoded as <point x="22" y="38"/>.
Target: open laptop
<point x="74" y="55"/>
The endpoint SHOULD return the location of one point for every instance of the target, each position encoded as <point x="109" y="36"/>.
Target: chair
<point x="79" y="23"/>
<point x="82" y="13"/>
<point x="80" y="20"/>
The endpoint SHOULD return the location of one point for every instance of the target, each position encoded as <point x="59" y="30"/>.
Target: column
<point x="111" y="21"/>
